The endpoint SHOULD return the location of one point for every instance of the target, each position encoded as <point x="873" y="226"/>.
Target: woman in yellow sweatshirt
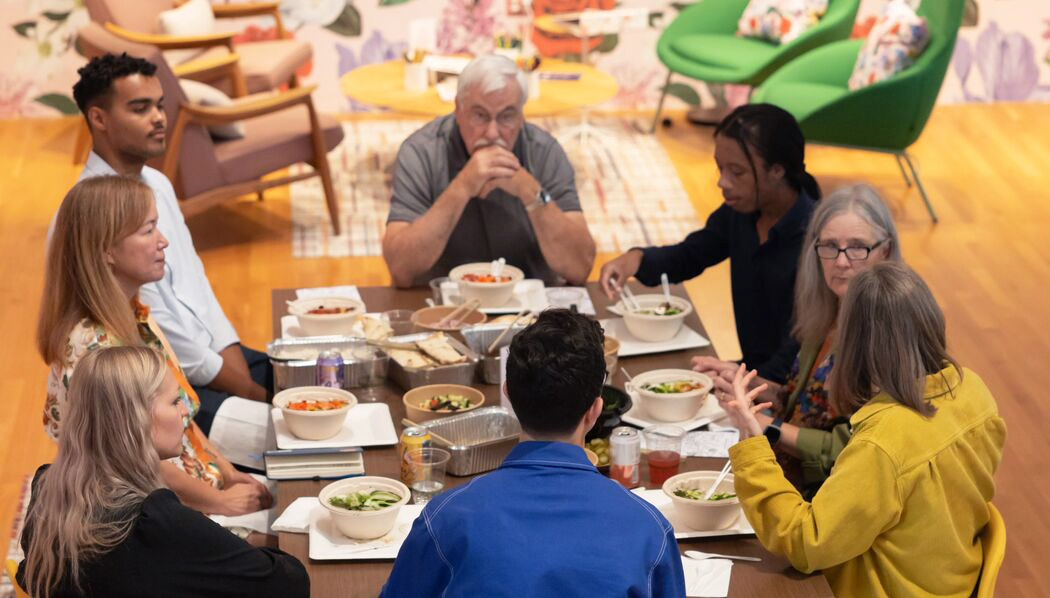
<point x="901" y="512"/>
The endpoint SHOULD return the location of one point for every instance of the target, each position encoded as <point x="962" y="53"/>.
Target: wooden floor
<point x="987" y="261"/>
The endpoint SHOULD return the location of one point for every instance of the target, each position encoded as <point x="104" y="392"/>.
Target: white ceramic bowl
<point x="314" y="425"/>
<point x="670" y="407"/>
<point x="364" y="525"/>
<point x="326" y="324"/>
<point x="703" y="515"/>
<point x="489" y="294"/>
<point x="652" y="328"/>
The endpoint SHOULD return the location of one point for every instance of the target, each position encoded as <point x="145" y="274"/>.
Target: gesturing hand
<point x="739" y="406"/>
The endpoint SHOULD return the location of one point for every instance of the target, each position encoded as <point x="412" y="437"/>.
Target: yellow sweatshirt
<point x="905" y="502"/>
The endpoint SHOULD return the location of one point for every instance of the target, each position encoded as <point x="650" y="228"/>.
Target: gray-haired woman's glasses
<point x="856" y="253"/>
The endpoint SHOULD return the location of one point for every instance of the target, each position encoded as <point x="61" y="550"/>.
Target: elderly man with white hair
<point x="480" y="184"/>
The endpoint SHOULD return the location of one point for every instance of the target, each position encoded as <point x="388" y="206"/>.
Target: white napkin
<point x="348" y="291"/>
<point x="708" y="578"/>
<point x="297" y="516"/>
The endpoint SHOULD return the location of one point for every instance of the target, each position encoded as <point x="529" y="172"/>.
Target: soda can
<point x="413" y="437"/>
<point x="625" y="456"/>
<point x="329" y="369"/>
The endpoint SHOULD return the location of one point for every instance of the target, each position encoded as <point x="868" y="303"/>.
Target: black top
<point x="173" y="550"/>
<point x="762" y="277"/>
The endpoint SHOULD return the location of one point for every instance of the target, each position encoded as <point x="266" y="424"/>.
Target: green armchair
<point x="885" y="117"/>
<point x="701" y="43"/>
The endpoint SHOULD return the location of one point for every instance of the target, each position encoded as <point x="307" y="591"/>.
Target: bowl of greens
<point x="671" y="395"/>
<point x="655" y="320"/>
<point x="364" y="508"/>
<point x="687" y="491"/>
<point x="425" y="403"/>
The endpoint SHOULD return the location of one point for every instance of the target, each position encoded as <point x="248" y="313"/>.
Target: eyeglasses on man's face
<point x="854" y="253"/>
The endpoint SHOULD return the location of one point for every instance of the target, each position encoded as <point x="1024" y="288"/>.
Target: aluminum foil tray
<point x="295" y="360"/>
<point x="459" y="373"/>
<point x="478" y="440"/>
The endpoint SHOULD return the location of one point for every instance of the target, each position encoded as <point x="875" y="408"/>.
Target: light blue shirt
<point x="182" y="302"/>
<point x="545" y="524"/>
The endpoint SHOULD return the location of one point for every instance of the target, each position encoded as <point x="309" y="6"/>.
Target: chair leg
<point x="82" y="146"/>
<point x="259" y="195"/>
<point x="320" y="164"/>
<point x="918" y="183"/>
<point x="907" y="180"/>
<point x="660" y="104"/>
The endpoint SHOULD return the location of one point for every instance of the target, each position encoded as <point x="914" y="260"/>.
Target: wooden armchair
<point x="282" y="128"/>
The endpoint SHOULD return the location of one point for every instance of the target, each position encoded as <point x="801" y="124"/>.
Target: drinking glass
<point x="435" y="289"/>
<point x="400" y="321"/>
<point x="427" y="471"/>
<point x="664" y="445"/>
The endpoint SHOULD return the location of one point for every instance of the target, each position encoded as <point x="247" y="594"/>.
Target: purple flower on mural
<point x="1006" y="62"/>
<point x="376" y="49"/>
<point x="467" y="26"/>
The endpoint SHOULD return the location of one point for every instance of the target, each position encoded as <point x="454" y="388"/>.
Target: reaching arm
<point x="411" y="248"/>
<point x="234" y="378"/>
<point x="701" y="249"/>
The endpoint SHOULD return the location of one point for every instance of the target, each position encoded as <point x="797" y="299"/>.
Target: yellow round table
<point x="384" y="85"/>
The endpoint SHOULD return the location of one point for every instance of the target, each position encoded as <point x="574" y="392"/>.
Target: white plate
<point x="710" y="411"/>
<point x="327" y="543"/>
<point x="348" y="291"/>
<point x="528" y="293"/>
<point x="367" y="424"/>
<point x="657" y="498"/>
<point x="687" y="338"/>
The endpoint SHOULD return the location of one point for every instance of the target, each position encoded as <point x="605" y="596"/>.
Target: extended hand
<point x="614" y="274"/>
<point x="739" y="406"/>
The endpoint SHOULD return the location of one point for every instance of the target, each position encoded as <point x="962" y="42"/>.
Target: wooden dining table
<point x="772" y="576"/>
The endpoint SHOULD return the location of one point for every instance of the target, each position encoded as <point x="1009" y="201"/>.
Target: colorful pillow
<point x="780" y="21"/>
<point x="893" y="44"/>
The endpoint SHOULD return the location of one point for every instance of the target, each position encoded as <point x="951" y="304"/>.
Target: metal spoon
<point x="696" y="554"/>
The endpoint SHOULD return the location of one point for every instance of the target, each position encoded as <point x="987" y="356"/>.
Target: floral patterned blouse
<point x="196" y="459"/>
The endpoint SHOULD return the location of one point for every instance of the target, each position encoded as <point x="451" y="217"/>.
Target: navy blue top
<point x="762" y="277"/>
<point x="544" y="524"/>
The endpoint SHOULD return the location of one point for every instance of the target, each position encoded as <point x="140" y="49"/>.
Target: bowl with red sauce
<point x="314" y="412"/>
<point x="325" y="316"/>
<point x="476" y="281"/>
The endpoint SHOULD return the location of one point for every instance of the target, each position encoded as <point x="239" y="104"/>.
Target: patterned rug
<point x="629" y="190"/>
<point x="14" y="550"/>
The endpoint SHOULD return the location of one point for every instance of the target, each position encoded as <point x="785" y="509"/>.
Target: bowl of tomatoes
<point x="314" y="412"/>
<point x="479" y="281"/>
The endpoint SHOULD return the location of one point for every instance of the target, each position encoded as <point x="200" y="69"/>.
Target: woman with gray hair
<point x="909" y="495"/>
<point x="851" y="230"/>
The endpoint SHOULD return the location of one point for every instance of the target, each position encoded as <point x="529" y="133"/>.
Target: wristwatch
<point x="772" y="431"/>
<point x="542" y="198"/>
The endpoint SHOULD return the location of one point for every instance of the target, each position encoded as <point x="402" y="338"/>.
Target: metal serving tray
<point x="479" y="338"/>
<point x="363" y="364"/>
<point x="478" y="440"/>
<point x="459" y="373"/>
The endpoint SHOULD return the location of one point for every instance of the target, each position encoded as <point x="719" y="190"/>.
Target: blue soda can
<point x="329" y="369"/>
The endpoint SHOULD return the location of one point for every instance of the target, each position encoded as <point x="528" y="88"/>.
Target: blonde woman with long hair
<point x="101" y="521"/>
<point x="901" y="512"/>
<point x="105" y="246"/>
<point x="851" y="230"/>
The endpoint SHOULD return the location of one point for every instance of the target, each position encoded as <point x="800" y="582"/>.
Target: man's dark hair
<point x="555" y="370"/>
<point x="98" y="75"/>
<point x="776" y="136"/>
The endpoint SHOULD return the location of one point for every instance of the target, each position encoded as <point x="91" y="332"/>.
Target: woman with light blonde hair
<point x="901" y="512"/>
<point x="851" y="230"/>
<point x="101" y="521"/>
<point x="105" y="246"/>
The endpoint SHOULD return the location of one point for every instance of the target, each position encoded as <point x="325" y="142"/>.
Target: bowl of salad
<point x="324" y="316"/>
<point x="656" y="320"/>
<point x="476" y="281"/>
<point x="687" y="490"/>
<point x="364" y="508"/>
<point x="314" y="412"/>
<point x="425" y="403"/>
<point x="671" y="395"/>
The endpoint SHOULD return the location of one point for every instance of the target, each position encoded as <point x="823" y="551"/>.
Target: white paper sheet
<point x="349" y="291"/>
<point x="708" y="578"/>
<point x="239" y="431"/>
<point x="259" y="521"/>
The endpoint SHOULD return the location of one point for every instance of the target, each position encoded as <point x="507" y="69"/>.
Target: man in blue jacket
<point x="545" y="523"/>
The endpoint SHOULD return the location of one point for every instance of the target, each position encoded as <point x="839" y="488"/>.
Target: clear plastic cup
<point x="400" y="321"/>
<point x="435" y="289"/>
<point x="427" y="467"/>
<point x="663" y="444"/>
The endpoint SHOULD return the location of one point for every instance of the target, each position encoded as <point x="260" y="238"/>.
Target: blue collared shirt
<point x="544" y="524"/>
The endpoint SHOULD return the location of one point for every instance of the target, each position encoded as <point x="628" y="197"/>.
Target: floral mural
<point x="1003" y="53"/>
